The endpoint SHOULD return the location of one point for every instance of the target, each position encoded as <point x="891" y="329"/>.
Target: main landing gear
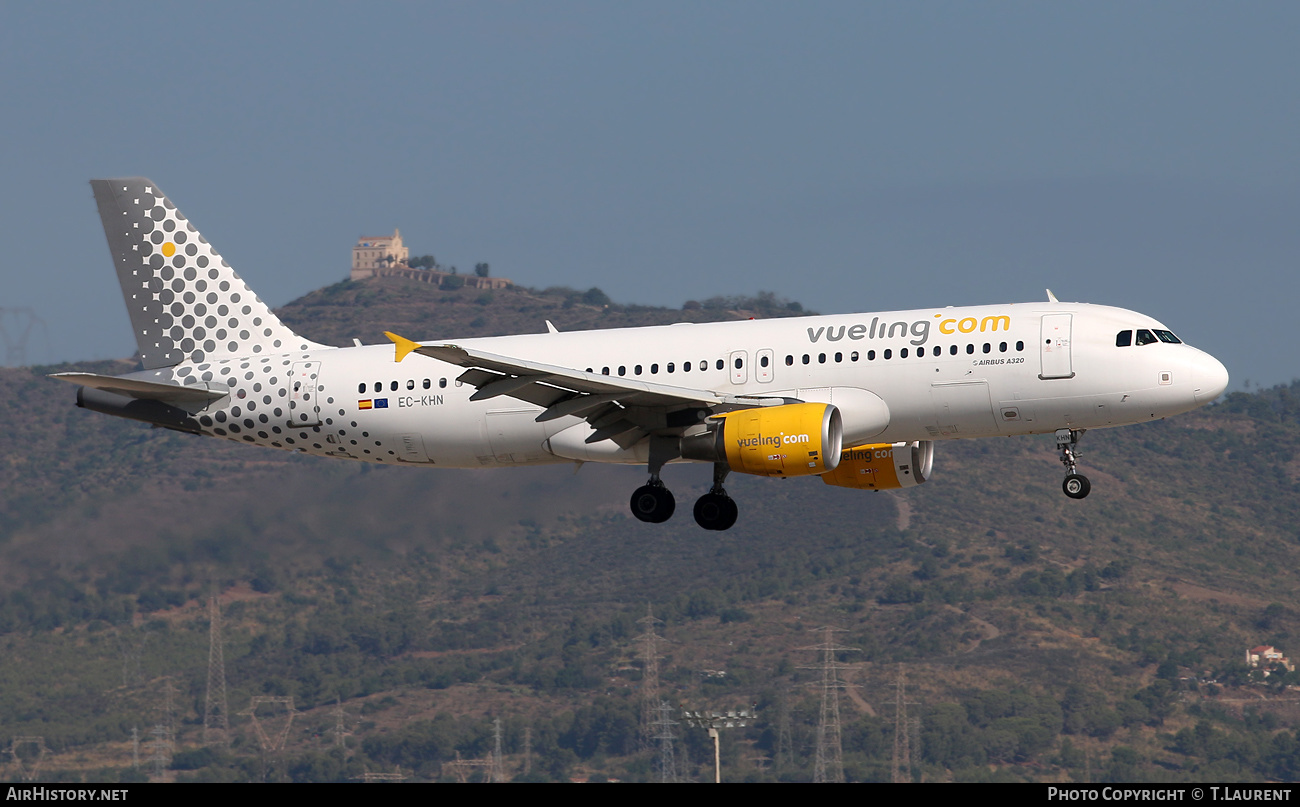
<point x="652" y="502"/>
<point x="715" y="510"/>
<point x="1076" y="485"/>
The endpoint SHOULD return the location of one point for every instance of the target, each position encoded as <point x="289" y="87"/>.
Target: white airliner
<point x="857" y="399"/>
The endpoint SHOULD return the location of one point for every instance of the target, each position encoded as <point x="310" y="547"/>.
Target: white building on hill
<point x="378" y="251"/>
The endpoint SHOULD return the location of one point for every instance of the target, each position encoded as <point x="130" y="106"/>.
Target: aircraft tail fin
<point x="185" y="302"/>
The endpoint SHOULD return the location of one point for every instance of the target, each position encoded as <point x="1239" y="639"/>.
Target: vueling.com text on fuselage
<point x="918" y="330"/>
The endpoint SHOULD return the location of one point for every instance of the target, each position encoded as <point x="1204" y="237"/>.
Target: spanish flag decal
<point x="366" y="404"/>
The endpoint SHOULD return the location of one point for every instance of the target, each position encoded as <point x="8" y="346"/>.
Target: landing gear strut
<point x="652" y="502"/>
<point x="716" y="510"/>
<point x="1076" y="485"/>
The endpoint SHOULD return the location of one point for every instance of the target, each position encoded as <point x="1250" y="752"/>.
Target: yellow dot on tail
<point x="169" y="249"/>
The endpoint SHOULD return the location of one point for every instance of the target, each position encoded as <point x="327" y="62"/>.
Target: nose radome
<point x="1210" y="378"/>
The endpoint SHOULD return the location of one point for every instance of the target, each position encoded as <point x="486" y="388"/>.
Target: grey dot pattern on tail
<point x="187" y="301"/>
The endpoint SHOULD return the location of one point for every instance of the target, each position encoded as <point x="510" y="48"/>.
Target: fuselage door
<point x="763" y="368"/>
<point x="304" y="409"/>
<point x="736" y="362"/>
<point x="1054" y="344"/>
<point x="516" y="437"/>
<point x="963" y="408"/>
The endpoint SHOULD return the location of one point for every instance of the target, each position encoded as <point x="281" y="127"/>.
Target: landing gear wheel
<point x="1076" y="486"/>
<point x="716" y="511"/>
<point x="653" y="503"/>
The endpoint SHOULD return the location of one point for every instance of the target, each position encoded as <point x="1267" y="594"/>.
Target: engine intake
<point x="801" y="439"/>
<point x="883" y="466"/>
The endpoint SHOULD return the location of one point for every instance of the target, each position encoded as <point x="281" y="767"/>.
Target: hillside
<point x="365" y="309"/>
<point x="1043" y="638"/>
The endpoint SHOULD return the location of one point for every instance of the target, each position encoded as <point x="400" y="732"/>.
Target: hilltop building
<point x="1268" y="658"/>
<point x="378" y="251"/>
<point x="387" y="256"/>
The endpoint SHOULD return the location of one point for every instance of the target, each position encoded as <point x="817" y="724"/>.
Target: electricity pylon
<point x="216" y="720"/>
<point x="829" y="766"/>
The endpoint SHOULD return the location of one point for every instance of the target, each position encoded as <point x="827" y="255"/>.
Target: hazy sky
<point x="852" y="156"/>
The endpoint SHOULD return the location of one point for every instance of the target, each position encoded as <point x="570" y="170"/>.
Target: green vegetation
<point x="365" y="309"/>
<point x="1043" y="639"/>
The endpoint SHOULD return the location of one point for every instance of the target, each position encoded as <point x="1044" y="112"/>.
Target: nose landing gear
<point x="1076" y="485"/>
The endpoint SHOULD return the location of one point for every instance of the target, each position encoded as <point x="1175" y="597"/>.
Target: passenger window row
<point x="670" y="367"/>
<point x="903" y="353"/>
<point x="394" y="386"/>
<point x="1146" y="337"/>
<point x="822" y="358"/>
<point x="721" y="364"/>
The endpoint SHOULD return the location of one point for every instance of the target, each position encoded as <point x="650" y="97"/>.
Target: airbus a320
<point x="858" y="400"/>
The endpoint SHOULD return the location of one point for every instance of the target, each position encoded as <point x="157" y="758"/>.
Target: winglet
<point x="551" y="328"/>
<point x="1051" y="298"/>
<point x="403" y="345"/>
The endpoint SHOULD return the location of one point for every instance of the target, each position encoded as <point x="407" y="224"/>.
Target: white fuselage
<point x="942" y="373"/>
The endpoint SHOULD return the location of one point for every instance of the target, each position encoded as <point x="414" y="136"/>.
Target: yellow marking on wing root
<point x="402" y="345"/>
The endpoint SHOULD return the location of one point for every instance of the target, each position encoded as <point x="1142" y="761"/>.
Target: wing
<point x="624" y="410"/>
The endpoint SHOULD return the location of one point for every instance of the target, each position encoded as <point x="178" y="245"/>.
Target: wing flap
<point x="624" y="410"/>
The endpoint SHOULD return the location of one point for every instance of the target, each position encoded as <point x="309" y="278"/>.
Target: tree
<point x="594" y="296"/>
<point x="482" y="269"/>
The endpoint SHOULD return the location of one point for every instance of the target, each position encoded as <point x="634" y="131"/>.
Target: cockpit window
<point x="1145" y="337"/>
<point x="1123" y="339"/>
<point x="1168" y="337"/>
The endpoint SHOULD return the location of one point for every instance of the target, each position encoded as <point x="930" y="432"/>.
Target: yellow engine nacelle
<point x="788" y="440"/>
<point x="883" y="466"/>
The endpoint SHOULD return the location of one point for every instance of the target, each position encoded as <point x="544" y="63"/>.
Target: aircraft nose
<point x="1210" y="378"/>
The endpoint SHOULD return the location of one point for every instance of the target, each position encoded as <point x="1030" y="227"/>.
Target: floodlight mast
<point x="713" y="721"/>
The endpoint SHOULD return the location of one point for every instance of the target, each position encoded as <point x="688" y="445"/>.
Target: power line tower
<point x="829" y="766"/>
<point x="340" y="723"/>
<point x="528" y="750"/>
<point x="784" y="742"/>
<point x="131" y="642"/>
<point x="16" y="325"/>
<point x="649" y="641"/>
<point x="216" y="719"/>
<point x="497" y="773"/>
<point x="914" y="733"/>
<point x="160" y="748"/>
<point x="902" y="768"/>
<point x="398" y="776"/>
<point x="666" y="737"/>
<point x="29" y="761"/>
<point x="271" y="742"/>
<point x="463" y="768"/>
<point x="169" y="707"/>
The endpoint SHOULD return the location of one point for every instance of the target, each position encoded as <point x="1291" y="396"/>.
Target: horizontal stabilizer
<point x="145" y="390"/>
